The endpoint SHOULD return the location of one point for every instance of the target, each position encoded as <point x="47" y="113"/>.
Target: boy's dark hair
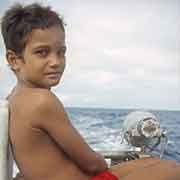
<point x="19" y="21"/>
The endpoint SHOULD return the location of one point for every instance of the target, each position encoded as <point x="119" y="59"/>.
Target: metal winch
<point x="142" y="130"/>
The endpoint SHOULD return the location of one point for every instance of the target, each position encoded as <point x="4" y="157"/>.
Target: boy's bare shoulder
<point x="40" y="104"/>
<point x="41" y="94"/>
<point x="42" y="98"/>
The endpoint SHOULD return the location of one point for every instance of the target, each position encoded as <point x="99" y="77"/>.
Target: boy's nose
<point x="56" y="60"/>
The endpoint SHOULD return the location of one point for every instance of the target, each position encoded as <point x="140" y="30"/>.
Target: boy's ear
<point x="13" y="60"/>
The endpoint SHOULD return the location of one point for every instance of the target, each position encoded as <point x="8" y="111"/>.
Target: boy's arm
<point x="53" y="119"/>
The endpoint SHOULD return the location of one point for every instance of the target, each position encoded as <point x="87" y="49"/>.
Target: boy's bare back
<point x="36" y="152"/>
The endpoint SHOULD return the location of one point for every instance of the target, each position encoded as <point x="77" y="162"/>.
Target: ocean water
<point x="101" y="128"/>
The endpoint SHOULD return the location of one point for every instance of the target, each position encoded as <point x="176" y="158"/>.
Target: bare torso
<point x="34" y="150"/>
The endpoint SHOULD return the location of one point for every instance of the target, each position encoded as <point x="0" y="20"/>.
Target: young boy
<point x="45" y="144"/>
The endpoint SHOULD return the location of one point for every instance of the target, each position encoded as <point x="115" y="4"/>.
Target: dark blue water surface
<point x="101" y="128"/>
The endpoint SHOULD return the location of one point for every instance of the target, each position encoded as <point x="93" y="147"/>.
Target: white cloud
<point x="143" y="56"/>
<point x="27" y="2"/>
<point x="75" y="99"/>
<point x="121" y="53"/>
<point x="100" y="77"/>
<point x="3" y="65"/>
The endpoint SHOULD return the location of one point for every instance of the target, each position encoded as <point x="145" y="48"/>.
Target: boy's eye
<point x="42" y="52"/>
<point x="62" y="52"/>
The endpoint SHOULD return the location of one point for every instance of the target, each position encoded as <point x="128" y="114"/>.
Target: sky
<point x="121" y="54"/>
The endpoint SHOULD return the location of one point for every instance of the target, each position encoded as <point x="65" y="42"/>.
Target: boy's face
<point x="43" y="58"/>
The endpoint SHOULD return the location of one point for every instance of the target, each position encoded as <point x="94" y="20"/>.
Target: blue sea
<point x="101" y="128"/>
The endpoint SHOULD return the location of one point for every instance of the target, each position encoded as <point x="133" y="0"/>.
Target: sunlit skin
<point x="42" y="62"/>
<point x="45" y="144"/>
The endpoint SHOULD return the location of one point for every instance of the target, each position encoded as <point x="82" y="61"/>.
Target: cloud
<point x="3" y="65"/>
<point x="28" y="2"/>
<point x="120" y="53"/>
<point x="144" y="57"/>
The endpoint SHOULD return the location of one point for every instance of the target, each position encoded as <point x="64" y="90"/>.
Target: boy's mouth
<point x="49" y="73"/>
<point x="53" y="74"/>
